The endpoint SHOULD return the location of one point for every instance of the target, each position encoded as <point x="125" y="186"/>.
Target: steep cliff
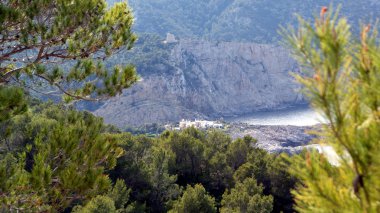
<point x="203" y="79"/>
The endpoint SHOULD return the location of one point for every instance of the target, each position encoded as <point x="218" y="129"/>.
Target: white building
<point x="200" y="124"/>
<point x="170" y="38"/>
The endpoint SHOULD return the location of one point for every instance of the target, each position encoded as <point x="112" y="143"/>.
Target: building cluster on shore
<point x="199" y="124"/>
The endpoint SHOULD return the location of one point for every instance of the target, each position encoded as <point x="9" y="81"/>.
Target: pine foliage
<point x="246" y="197"/>
<point x="342" y="80"/>
<point x="63" y="160"/>
<point x="194" y="199"/>
<point x="12" y="102"/>
<point x="100" y="204"/>
<point x="37" y="37"/>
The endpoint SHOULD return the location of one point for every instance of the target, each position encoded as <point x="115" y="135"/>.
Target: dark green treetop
<point x="194" y="199"/>
<point x="247" y="197"/>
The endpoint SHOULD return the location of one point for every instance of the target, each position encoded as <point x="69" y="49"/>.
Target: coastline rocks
<point x="275" y="139"/>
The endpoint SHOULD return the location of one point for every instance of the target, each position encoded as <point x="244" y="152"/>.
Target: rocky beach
<point x="275" y="139"/>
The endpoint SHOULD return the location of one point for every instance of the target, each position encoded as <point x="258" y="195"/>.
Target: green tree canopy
<point x="247" y="197"/>
<point x="37" y="37"/>
<point x="100" y="204"/>
<point x="12" y="102"/>
<point x="115" y="200"/>
<point x="194" y="199"/>
<point x="62" y="160"/>
<point x="342" y="80"/>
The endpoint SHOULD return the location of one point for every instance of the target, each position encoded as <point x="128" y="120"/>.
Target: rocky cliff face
<point x="203" y="79"/>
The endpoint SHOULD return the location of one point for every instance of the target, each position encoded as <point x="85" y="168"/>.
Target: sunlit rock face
<point x="203" y="79"/>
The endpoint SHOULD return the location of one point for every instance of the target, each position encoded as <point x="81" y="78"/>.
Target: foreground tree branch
<point x="342" y="81"/>
<point x="34" y="33"/>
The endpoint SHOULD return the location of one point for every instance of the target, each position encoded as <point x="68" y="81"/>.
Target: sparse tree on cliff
<point x="342" y="80"/>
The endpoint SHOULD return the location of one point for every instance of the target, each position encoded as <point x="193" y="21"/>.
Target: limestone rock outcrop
<point x="203" y="79"/>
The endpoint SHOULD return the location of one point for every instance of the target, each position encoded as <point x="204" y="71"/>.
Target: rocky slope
<point x="275" y="139"/>
<point x="203" y="79"/>
<point x="237" y="20"/>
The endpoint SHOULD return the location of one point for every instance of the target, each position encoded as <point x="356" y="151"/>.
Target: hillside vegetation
<point x="67" y="160"/>
<point x="54" y="158"/>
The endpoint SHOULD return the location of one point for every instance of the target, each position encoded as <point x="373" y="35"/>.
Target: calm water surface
<point x="299" y="116"/>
